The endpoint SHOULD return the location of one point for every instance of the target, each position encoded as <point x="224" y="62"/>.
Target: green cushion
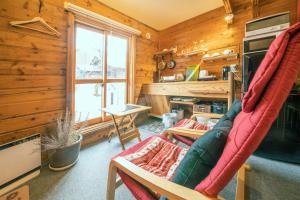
<point x="205" y="152"/>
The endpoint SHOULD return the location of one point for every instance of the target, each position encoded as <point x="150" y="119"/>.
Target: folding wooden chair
<point x="161" y="185"/>
<point x="181" y="128"/>
<point x="267" y="92"/>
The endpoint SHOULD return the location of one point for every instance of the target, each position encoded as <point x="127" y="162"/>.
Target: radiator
<point x="20" y="161"/>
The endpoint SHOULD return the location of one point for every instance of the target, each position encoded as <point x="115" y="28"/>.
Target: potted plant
<point x="63" y="145"/>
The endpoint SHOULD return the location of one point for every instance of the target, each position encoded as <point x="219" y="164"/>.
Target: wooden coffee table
<point x="126" y="130"/>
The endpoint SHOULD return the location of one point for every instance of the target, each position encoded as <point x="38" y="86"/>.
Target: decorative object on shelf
<point x="189" y="99"/>
<point x="64" y="145"/>
<point x="192" y="72"/>
<point x="148" y="36"/>
<point x="197" y="48"/>
<point x="219" y="107"/>
<point x="179" y="77"/>
<point x="184" y="99"/>
<point x="161" y="64"/>
<point x="226" y="70"/>
<point x="172" y="63"/>
<point x="232" y="56"/>
<point x="174" y="49"/>
<point x="234" y="70"/>
<point x="174" y="78"/>
<point x="204" y="76"/>
<point x="41" y="21"/>
<point x="227" y="51"/>
<point x="168" y="78"/>
<point x="163" y="53"/>
<point x="206" y="56"/>
<point x="216" y="54"/>
<point x="208" y="78"/>
<point x="202" y="107"/>
<point x="203" y="73"/>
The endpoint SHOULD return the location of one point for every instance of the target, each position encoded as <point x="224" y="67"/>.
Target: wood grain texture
<point x="255" y="8"/>
<point x="217" y="35"/>
<point x="227" y="6"/>
<point x="33" y="65"/>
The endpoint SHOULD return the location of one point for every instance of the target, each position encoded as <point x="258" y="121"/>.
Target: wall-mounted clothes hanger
<point x="40" y="20"/>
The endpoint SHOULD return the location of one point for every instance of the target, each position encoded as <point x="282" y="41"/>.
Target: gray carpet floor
<point x="87" y="179"/>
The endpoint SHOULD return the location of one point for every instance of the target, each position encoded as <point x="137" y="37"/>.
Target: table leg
<point x="112" y="132"/>
<point x="131" y="123"/>
<point x="118" y="131"/>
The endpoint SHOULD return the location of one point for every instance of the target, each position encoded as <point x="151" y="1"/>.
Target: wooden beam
<point x="298" y="10"/>
<point x="227" y="6"/>
<point x="255" y="8"/>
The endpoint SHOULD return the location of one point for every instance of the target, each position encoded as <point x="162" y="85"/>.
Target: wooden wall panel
<point x="33" y="65"/>
<point x="217" y="35"/>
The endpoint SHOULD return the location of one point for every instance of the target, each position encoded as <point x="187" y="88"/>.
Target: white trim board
<point x="97" y="17"/>
<point x="19" y="182"/>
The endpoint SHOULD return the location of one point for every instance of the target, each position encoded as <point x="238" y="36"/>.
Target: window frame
<point x="71" y="78"/>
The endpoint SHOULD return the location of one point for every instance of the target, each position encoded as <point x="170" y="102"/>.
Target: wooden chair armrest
<point x="208" y="115"/>
<point x="191" y="133"/>
<point x="162" y="186"/>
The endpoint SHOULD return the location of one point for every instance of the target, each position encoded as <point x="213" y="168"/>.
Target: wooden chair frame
<point x="162" y="186"/>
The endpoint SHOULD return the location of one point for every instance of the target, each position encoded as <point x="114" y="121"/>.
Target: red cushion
<point x="250" y="128"/>
<point x="186" y="123"/>
<point x="191" y="124"/>
<point x="267" y="69"/>
<point x="200" y="126"/>
<point x="137" y="190"/>
<point x="186" y="140"/>
<point x="156" y="155"/>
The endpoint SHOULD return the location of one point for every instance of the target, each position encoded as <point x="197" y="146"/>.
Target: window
<point x="101" y="71"/>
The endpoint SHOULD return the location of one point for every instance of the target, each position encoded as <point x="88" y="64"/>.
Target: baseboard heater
<point x="20" y="161"/>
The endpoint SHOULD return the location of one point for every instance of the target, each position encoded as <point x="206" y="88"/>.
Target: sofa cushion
<point x="205" y="151"/>
<point x="158" y="157"/>
<point x="202" y="123"/>
<point x="137" y="190"/>
<point x="185" y="123"/>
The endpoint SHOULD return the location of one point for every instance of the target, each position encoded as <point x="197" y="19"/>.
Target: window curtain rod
<point x="94" y="16"/>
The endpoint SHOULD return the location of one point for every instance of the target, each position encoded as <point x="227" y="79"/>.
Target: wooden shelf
<point x="191" y="53"/>
<point x="157" y="95"/>
<point x="183" y="102"/>
<point x="163" y="53"/>
<point x="203" y="89"/>
<point x="233" y="56"/>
